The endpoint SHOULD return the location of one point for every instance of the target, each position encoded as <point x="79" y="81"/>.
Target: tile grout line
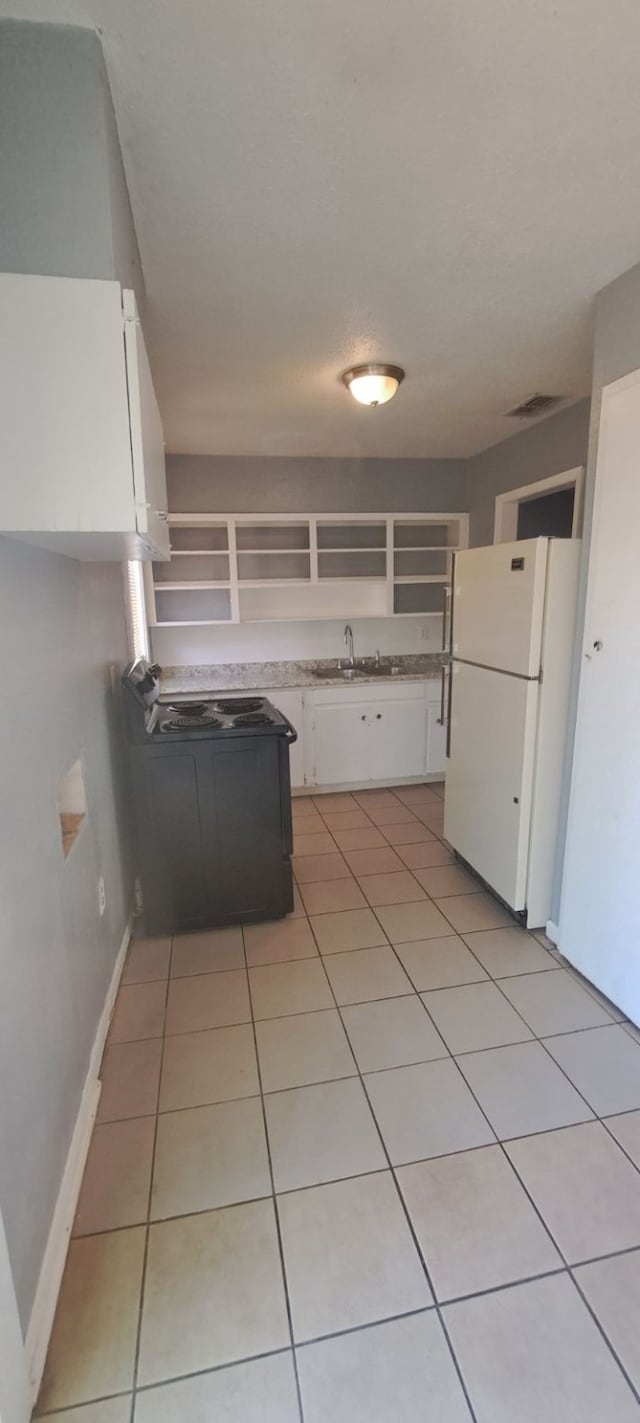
<point x="630" y="1250"/>
<point x="335" y="1180"/>
<point x="549" y="1232"/>
<point x="285" y="1283"/>
<point x="409" y="1222"/>
<point x="360" y="1002"/>
<point x="145" y="1258"/>
<point x="566" y="1267"/>
<point x="532" y="1202"/>
<point x="353" y="1329"/>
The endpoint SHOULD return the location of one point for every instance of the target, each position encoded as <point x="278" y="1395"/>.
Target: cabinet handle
<point x="378" y="716"/>
<point x="363" y="717"/>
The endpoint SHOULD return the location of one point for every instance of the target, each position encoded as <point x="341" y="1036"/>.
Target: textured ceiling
<point x="444" y="185"/>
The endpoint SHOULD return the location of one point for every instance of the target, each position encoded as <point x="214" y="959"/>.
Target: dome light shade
<point x="373" y="384"/>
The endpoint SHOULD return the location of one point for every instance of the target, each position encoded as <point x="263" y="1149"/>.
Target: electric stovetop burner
<point x="188" y="708"/>
<point x="253" y="718"/>
<point x="232" y="705"/>
<point x="181" y="723"/>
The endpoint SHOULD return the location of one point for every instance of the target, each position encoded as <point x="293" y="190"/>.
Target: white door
<point x="147" y="438"/>
<point x="340" y="743"/>
<point x="398" y="740"/>
<point x="598" y="929"/>
<point x="498" y="605"/>
<point x="490" y="774"/>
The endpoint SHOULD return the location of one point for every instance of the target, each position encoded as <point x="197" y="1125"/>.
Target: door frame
<point x="505" y="525"/>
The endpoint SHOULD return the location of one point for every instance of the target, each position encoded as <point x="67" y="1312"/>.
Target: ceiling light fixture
<point x="374" y="383"/>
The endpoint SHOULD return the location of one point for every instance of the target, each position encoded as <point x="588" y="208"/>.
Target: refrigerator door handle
<point x="442" y="695"/>
<point x="446" y="593"/>
<point x="450" y="650"/>
<point x="449" y="706"/>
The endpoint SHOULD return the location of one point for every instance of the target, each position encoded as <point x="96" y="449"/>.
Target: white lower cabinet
<point x="364" y="733"/>
<point x="355" y="734"/>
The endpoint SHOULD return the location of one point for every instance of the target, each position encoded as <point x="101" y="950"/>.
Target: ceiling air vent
<point x="535" y="405"/>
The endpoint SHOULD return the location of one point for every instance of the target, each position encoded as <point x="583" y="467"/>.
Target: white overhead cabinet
<point x="81" y="435"/>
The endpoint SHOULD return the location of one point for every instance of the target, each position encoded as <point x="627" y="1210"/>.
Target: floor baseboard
<point x="50" y="1279"/>
<point x="552" y="932"/>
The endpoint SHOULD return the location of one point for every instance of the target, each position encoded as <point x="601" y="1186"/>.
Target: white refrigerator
<point x="513" y="614"/>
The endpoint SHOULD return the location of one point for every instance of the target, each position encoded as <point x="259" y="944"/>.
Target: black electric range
<point x="212" y="802"/>
<point x="149" y="715"/>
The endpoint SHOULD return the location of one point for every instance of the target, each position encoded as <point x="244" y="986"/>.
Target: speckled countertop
<point x="239" y="676"/>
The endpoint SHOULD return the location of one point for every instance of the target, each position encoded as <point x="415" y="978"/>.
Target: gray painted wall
<point x="553" y="445"/>
<point x="65" y="630"/>
<point x="268" y="485"/>
<point x="63" y="194"/>
<point x="65" y="211"/>
<point x="232" y="484"/>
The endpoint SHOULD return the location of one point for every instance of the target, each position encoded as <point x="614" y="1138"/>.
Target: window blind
<point x="136" y="609"/>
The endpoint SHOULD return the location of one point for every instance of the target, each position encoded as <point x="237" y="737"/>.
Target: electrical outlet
<point x="102" y="895"/>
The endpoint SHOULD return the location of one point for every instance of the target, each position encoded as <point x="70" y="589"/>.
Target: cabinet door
<point x="147" y="439"/>
<point x="341" y="743"/>
<point x="169" y="841"/>
<point x="398" y="743"/>
<point x="66" y="452"/>
<point x="247" y="871"/>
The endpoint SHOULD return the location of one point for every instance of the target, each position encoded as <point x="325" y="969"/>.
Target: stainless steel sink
<point x="345" y="674"/>
<point x="360" y="669"/>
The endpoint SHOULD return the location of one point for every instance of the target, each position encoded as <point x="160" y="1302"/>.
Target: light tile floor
<point x="377" y="1163"/>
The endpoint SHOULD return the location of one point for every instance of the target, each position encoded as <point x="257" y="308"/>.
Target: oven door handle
<point x="294" y="735"/>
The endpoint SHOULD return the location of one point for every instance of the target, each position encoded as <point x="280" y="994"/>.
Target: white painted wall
<point x="293" y="642"/>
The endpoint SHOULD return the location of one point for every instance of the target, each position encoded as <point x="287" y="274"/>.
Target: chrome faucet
<point x="348" y="637"/>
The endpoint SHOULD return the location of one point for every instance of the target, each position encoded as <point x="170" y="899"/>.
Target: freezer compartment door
<point x="498" y="605"/>
<point x="489" y="778"/>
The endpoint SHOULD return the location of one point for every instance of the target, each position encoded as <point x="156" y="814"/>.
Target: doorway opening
<point x="551" y="516"/>
<point x="549" y="508"/>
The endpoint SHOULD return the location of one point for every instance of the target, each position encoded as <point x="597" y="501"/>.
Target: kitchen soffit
<point x="320" y="185"/>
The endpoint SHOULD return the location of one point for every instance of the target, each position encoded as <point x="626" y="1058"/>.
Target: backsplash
<point x="292" y="641"/>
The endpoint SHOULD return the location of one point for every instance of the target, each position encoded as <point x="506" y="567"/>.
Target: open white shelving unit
<point x="272" y="568"/>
